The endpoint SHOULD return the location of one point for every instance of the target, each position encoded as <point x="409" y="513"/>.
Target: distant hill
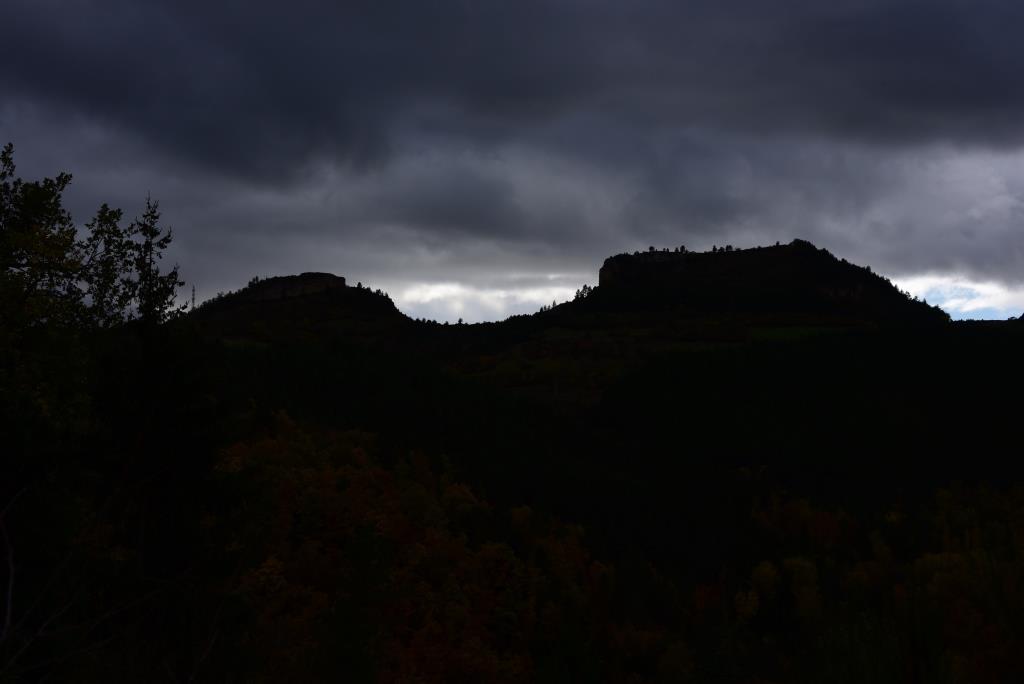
<point x="288" y="287"/>
<point x="793" y="278"/>
<point x="285" y="307"/>
<point x="797" y="281"/>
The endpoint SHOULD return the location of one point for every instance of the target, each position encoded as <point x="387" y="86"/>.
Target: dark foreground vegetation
<point x="762" y="465"/>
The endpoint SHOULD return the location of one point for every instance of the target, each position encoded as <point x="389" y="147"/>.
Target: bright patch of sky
<point x="454" y="301"/>
<point x="963" y="298"/>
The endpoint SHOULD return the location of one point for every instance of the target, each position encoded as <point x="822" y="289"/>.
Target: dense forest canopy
<point x="759" y="465"/>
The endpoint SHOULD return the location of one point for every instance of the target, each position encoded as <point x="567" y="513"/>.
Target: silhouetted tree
<point x="156" y="290"/>
<point x="39" y="255"/>
<point x="107" y="264"/>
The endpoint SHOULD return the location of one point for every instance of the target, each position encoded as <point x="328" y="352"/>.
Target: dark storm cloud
<point x="261" y="87"/>
<point x="478" y="141"/>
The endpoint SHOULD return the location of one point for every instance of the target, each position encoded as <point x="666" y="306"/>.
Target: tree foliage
<point x="50" y="276"/>
<point x="107" y="264"/>
<point x="59" y="288"/>
<point x="40" y="264"/>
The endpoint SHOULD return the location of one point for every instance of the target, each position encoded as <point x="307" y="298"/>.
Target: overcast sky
<point x="477" y="158"/>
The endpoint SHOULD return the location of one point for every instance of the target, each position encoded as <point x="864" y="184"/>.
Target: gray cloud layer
<point x="493" y="143"/>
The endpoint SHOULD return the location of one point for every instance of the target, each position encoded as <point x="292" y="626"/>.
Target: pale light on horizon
<point x="964" y="298"/>
<point x="453" y="301"/>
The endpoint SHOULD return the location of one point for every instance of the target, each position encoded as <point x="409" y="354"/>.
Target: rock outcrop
<point x="287" y="287"/>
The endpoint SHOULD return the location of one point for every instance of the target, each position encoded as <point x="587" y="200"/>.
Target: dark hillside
<point x="781" y="280"/>
<point x="288" y="306"/>
<point x="760" y="465"/>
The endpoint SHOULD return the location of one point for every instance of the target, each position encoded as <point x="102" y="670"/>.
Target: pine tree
<point x="155" y="291"/>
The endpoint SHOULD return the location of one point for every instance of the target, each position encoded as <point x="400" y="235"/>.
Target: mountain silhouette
<point x="309" y="304"/>
<point x="783" y="279"/>
<point x="796" y="281"/>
